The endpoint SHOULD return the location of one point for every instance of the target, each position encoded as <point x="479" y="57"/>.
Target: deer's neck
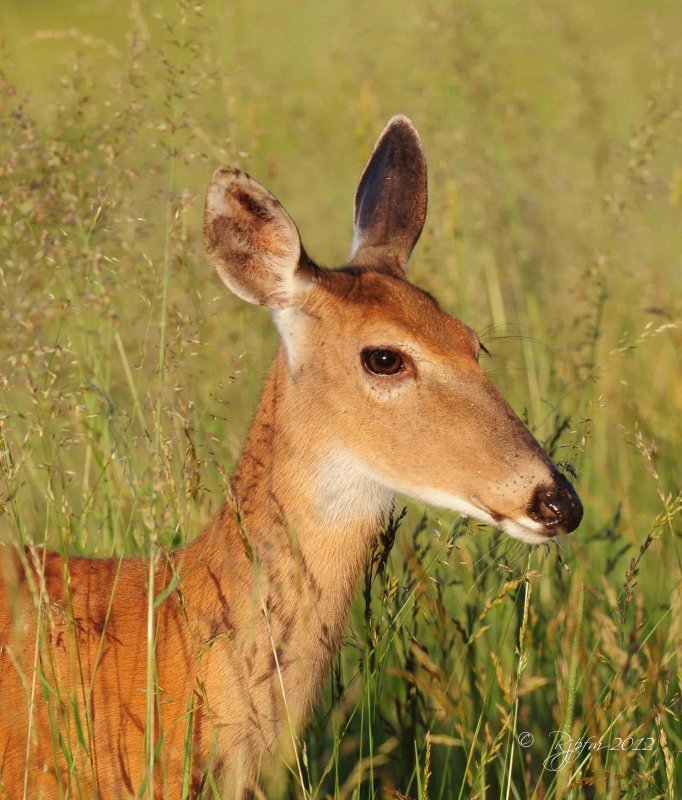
<point x="288" y="568"/>
<point x="301" y="496"/>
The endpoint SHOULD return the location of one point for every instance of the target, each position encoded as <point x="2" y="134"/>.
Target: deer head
<point x="385" y="386"/>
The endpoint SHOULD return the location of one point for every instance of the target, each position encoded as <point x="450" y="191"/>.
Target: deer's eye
<point x="382" y="362"/>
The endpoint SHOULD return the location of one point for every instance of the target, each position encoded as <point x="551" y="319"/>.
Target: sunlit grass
<point x="129" y="375"/>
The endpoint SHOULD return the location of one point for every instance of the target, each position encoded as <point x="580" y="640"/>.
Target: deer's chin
<point x="526" y="530"/>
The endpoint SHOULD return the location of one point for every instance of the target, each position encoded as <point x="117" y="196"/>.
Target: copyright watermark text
<point x="566" y="750"/>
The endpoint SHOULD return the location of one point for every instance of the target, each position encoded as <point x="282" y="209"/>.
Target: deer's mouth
<point x="526" y="529"/>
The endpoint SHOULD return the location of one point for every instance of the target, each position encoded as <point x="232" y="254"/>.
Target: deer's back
<point x="67" y="644"/>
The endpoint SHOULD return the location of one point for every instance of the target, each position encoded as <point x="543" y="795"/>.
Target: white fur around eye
<point x="384" y="388"/>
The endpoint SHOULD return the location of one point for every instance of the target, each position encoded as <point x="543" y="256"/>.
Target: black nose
<point x="557" y="505"/>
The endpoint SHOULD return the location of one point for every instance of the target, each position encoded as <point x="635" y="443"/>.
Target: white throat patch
<point x="346" y="491"/>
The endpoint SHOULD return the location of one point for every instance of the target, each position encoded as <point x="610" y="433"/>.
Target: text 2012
<point x="566" y="750"/>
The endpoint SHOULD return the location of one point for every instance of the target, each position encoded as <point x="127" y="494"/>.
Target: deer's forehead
<point x="372" y="301"/>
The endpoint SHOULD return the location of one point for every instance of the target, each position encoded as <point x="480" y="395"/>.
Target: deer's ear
<point x="390" y="201"/>
<point x="253" y="242"/>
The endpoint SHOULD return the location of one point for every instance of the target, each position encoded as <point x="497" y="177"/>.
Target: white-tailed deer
<point x="375" y="390"/>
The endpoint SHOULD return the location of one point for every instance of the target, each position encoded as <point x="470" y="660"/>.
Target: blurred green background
<point x="553" y="133"/>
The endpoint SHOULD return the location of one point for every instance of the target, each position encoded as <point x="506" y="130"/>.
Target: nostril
<point x="548" y="510"/>
<point x="557" y="505"/>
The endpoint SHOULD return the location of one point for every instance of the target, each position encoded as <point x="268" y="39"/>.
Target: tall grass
<point x="129" y="376"/>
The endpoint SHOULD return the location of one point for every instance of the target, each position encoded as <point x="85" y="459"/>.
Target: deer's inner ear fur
<point x="252" y="241"/>
<point x="391" y="199"/>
